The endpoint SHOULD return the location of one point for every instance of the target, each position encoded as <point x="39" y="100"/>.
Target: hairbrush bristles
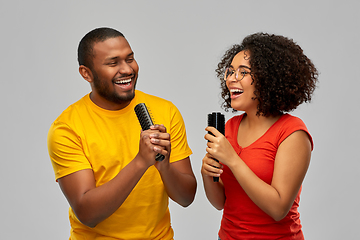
<point x="217" y="120"/>
<point x="143" y="116"/>
<point x="146" y="122"/>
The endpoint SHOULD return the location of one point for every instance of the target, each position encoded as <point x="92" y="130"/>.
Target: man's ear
<point x="86" y="73"/>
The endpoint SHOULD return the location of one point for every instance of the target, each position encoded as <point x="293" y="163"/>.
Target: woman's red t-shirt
<point x="242" y="219"/>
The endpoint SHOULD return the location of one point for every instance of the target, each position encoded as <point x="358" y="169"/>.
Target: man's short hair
<point x="85" y="49"/>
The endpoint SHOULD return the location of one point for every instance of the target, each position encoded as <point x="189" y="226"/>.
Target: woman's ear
<point x="86" y="73"/>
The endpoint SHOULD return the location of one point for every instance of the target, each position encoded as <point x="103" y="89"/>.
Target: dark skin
<point x="93" y="204"/>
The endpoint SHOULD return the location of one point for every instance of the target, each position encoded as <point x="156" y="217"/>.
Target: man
<point x="105" y="165"/>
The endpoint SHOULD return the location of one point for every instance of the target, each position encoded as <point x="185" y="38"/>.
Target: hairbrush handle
<point x="145" y="121"/>
<point x="217" y="120"/>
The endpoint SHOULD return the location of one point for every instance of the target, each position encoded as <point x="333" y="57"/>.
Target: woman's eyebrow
<point x="240" y="66"/>
<point x="245" y="66"/>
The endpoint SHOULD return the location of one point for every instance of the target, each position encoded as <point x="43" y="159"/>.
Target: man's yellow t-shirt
<point x="86" y="136"/>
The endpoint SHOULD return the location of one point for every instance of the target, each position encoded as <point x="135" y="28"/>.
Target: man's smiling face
<point x="114" y="74"/>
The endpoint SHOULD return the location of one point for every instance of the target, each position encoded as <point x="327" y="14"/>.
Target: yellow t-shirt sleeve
<point x="65" y="150"/>
<point x="179" y="145"/>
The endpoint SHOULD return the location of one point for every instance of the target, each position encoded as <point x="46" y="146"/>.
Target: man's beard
<point x="103" y="90"/>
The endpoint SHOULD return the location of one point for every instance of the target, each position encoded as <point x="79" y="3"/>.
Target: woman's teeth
<point x="236" y="91"/>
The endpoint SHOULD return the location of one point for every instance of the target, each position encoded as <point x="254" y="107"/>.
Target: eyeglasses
<point x="239" y="73"/>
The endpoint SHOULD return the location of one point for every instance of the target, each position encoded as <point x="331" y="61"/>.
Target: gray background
<point x="177" y="46"/>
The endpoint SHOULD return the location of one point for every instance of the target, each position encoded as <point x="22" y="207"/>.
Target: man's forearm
<point x="98" y="203"/>
<point x="179" y="181"/>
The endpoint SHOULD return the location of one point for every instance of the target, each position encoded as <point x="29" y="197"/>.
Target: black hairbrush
<point x="145" y="121"/>
<point x="217" y="120"/>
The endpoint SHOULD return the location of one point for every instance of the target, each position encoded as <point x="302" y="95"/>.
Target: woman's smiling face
<point x="242" y="91"/>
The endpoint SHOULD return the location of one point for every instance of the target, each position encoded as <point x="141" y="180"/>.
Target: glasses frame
<point x="237" y="73"/>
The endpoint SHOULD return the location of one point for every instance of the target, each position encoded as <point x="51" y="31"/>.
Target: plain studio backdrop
<point x="177" y="45"/>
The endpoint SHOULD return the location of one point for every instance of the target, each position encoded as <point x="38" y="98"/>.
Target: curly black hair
<point x="283" y="76"/>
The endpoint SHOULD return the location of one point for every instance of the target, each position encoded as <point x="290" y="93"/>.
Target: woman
<point x="265" y="153"/>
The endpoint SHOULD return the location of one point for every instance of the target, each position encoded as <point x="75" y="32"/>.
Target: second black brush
<point x="217" y="120"/>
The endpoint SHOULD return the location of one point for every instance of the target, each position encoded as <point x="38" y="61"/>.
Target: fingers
<point x="158" y="139"/>
<point x="161" y="146"/>
<point x="145" y="142"/>
<point x="211" y="167"/>
<point x="214" y="134"/>
<point x="213" y="130"/>
<point x="146" y="149"/>
<point x="217" y="145"/>
<point x="214" y="147"/>
<point x="160" y="127"/>
<point x="160" y="136"/>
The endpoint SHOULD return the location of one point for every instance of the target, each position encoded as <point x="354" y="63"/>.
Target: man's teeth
<point x="123" y="81"/>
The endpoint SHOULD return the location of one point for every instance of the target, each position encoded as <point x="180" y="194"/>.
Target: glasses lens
<point x="241" y="72"/>
<point x="228" y="73"/>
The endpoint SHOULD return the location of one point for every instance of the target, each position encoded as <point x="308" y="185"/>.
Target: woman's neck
<point x="253" y="121"/>
<point x="252" y="127"/>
